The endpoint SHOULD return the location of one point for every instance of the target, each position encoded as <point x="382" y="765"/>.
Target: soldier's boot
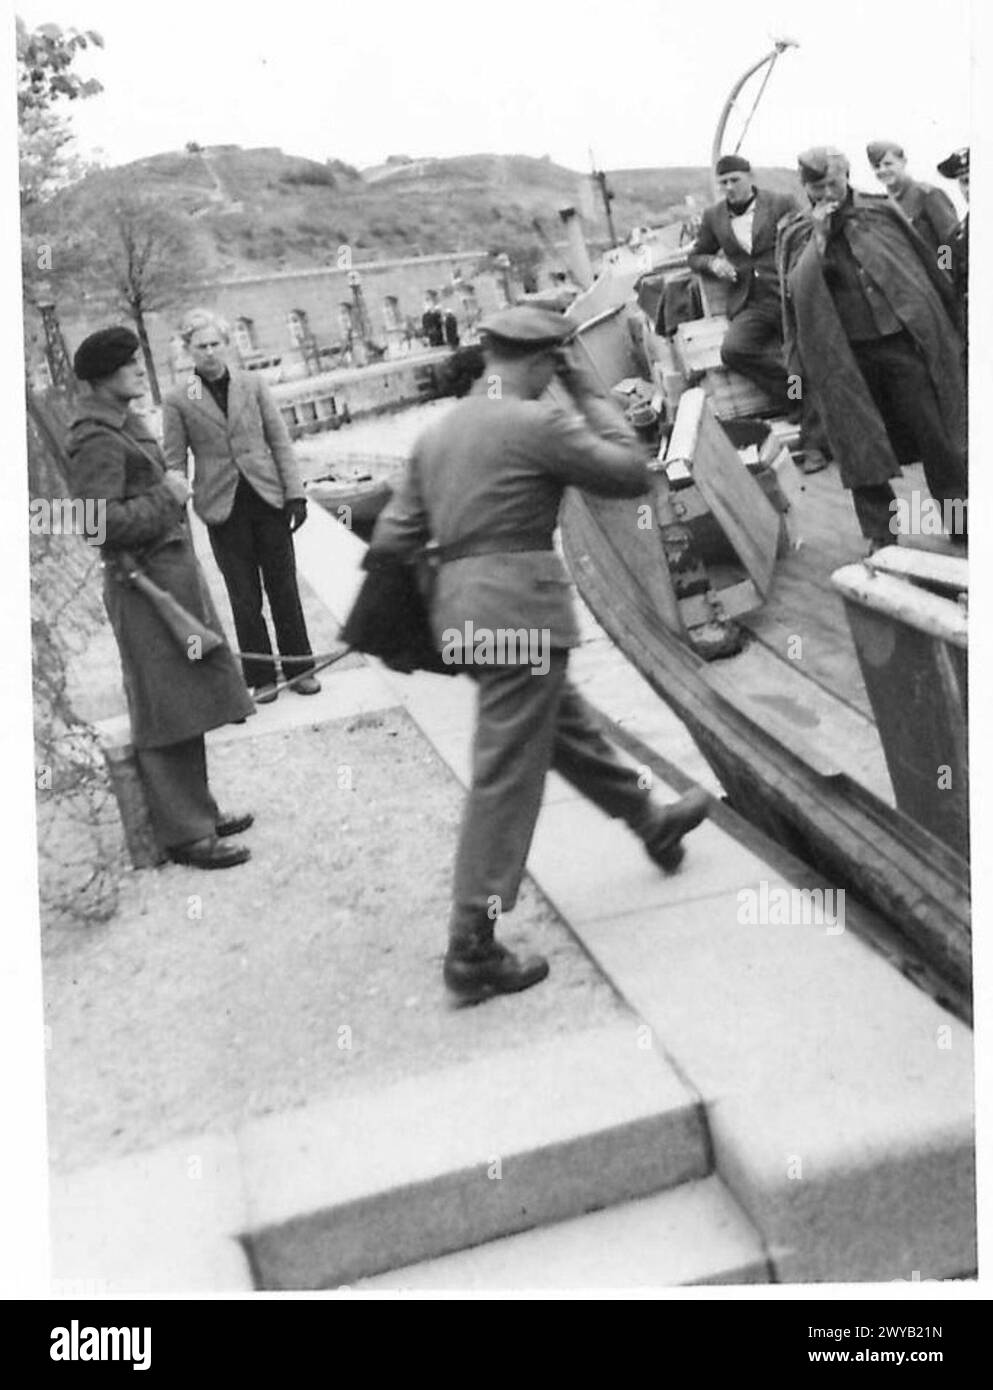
<point x="664" y="827"/>
<point x="477" y="967"/>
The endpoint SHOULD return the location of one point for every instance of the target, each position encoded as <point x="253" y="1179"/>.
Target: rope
<point x="321" y="660"/>
<point x="758" y="98"/>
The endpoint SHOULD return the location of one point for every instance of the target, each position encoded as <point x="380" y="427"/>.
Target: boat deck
<point x="812" y="696"/>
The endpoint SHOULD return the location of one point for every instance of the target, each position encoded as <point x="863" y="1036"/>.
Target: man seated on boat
<point x="485" y="484"/>
<point x="736" y="243"/>
<point x="871" y="326"/>
<point x="928" y="210"/>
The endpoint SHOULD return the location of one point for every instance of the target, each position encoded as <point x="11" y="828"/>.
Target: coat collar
<point x="103" y="412"/>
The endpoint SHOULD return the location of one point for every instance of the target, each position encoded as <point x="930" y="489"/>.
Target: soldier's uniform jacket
<point x="251" y="441"/>
<point x="495" y="470"/>
<point x="114" y="459"/>
<point x="929" y="211"/>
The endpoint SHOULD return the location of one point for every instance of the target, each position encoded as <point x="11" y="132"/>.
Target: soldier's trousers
<point x="180" y="804"/>
<point x="904" y="395"/>
<point x="527" y="723"/>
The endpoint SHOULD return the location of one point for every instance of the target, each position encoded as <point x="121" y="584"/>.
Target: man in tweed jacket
<point x="247" y="490"/>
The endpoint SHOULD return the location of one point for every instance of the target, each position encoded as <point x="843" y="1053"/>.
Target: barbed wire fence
<point x="81" y="856"/>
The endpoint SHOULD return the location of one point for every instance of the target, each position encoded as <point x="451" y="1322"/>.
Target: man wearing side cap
<point x="484" y="486"/>
<point x="737" y="243"/>
<point x="175" y="689"/>
<point x="870" y="324"/>
<point x="928" y="210"/>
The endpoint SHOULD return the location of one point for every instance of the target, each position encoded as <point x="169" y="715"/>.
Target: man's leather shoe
<point x="210" y="854"/>
<point x="234" y="825"/>
<point x="264" y="694"/>
<point x="813" y="461"/>
<point x="499" y="971"/>
<point x="306" y="685"/>
<point x="663" y="841"/>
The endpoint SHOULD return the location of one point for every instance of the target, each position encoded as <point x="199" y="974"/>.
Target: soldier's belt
<point x="486" y="545"/>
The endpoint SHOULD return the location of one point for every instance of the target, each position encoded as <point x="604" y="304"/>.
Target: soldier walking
<point x="484" y="485"/>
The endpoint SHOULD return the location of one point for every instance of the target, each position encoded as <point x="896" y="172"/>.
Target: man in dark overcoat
<point x="175" y="690"/>
<point x="870" y="324"/>
<point x="485" y="485"/>
<point x="737" y="244"/>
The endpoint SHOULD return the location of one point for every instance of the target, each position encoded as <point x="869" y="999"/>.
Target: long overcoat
<point x="115" y="460"/>
<point x="896" y="264"/>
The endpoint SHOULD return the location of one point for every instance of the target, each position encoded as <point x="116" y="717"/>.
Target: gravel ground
<point x="312" y="970"/>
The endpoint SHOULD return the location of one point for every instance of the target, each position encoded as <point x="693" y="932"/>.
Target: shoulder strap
<point x="123" y="434"/>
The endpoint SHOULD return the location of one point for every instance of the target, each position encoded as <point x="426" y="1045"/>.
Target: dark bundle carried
<point x="389" y="618"/>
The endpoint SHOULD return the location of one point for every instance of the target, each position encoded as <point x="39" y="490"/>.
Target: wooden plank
<point x="827" y="735"/>
<point x="742" y="509"/>
<point x="903" y="602"/>
<point x="923" y="566"/>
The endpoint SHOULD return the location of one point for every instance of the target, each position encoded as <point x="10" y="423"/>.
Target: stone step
<point x="692" y="1234"/>
<point x="439" y="1163"/>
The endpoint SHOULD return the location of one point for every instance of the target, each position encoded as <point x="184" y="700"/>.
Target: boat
<point x="351" y="494"/>
<point x="825" y="688"/>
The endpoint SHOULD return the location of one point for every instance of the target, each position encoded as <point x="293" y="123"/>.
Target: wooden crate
<point x="698" y="344"/>
<point x="731" y="395"/>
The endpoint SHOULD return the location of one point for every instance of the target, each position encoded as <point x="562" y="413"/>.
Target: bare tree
<point x="132" y="254"/>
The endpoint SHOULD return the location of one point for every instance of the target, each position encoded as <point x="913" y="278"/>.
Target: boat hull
<point x="914" y="880"/>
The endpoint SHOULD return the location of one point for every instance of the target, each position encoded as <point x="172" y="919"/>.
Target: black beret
<point x="956" y="166"/>
<point x="732" y="164"/>
<point x="529" y="325"/>
<point x="103" y="352"/>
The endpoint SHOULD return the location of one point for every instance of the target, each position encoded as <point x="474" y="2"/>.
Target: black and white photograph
<point x="486" y="710"/>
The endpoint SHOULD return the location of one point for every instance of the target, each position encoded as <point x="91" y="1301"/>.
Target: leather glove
<point x="295" y="512"/>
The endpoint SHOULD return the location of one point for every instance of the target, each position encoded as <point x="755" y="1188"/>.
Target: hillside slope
<point x="260" y="209"/>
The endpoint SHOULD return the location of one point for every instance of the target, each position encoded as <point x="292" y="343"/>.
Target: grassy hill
<point x="255" y="210"/>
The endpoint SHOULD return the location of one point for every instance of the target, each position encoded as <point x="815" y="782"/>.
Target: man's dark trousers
<point x="254" y="546"/>
<point x="527" y="722"/>
<point x="753" y="346"/>
<point x="899" y="383"/>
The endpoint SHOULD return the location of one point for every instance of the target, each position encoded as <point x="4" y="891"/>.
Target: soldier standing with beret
<point x="485" y="485"/>
<point x="174" y="694"/>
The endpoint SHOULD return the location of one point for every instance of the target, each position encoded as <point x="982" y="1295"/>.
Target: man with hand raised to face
<point x="484" y="485"/>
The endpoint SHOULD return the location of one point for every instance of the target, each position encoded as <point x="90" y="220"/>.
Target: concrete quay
<point x="784" y="1106"/>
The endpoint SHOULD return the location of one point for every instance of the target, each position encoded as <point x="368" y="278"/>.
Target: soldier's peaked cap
<point x="528" y="325"/>
<point x="956" y="165"/>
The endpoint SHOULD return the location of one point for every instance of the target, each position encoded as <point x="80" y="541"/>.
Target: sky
<point x="640" y="81"/>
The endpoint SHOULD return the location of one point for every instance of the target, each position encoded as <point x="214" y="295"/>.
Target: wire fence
<point x="80" y="840"/>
